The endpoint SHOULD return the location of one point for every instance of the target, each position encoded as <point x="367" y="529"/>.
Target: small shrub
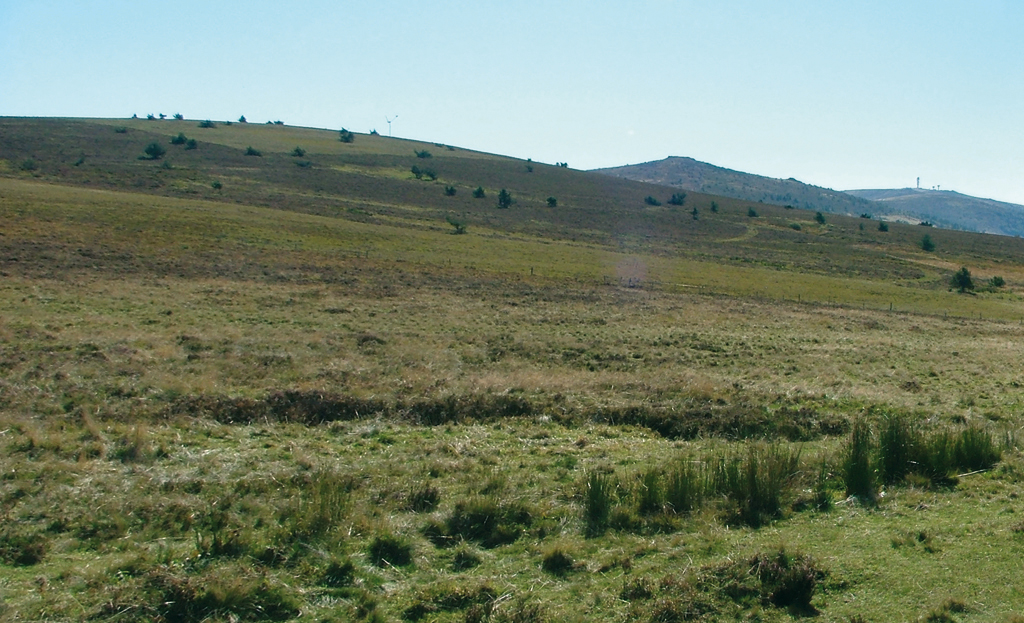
<point x="154" y="151"/>
<point x="207" y="124"/>
<point x="479" y="193"/>
<point x="996" y="282"/>
<point x="449" y="191"/>
<point x="961" y="280"/>
<point x="429" y="174"/>
<point x="751" y="212"/>
<point x="191" y="144"/>
<point x="927" y="244"/>
<point x="178" y="116"/>
<point x="795" y="226"/>
<point x="298" y="152"/>
<point x="677" y="199"/>
<point x="242" y="119"/>
<point x="388" y="550"/>
<point x="216" y="185"/>
<point x="180" y="139"/>
<point x="504" y="199"/>
<point x="552" y="202"/>
<point x="423" y="153"/>
<point x="121" y="130"/>
<point x="714" y="207"/>
<point x="417" y="172"/>
<point x="28" y="164"/>
<point x="345" y="136"/>
<point x="819" y="218"/>
<point x="250" y="151"/>
<point x="883" y="226"/>
<point x="557" y="561"/>
<point x="865" y="215"/>
<point x="651" y="201"/>
<point x="459" y="226"/>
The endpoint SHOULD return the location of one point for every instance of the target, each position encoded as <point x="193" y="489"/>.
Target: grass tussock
<point x="750" y="488"/>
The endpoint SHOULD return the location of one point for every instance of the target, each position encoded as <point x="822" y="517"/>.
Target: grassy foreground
<point x="220" y="410"/>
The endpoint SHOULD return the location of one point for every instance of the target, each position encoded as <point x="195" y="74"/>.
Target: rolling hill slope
<point x="371" y="181"/>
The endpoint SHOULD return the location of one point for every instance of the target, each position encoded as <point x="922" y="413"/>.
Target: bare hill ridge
<point x="945" y="209"/>
<point x="696" y="176"/>
<point x="948" y="209"/>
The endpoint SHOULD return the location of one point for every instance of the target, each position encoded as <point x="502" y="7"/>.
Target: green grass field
<point x="301" y="396"/>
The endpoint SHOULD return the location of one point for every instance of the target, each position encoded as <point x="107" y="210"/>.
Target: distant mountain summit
<point x="702" y="177"/>
<point x="948" y="209"/>
<point x="942" y="208"/>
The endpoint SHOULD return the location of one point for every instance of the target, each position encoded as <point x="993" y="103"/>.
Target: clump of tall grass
<point x="483" y="519"/>
<point x="754" y="485"/>
<point x="390" y="550"/>
<point x="858" y="468"/>
<point x="899" y="448"/>
<point x="230" y="592"/>
<point x="322" y="504"/>
<point x="650" y="492"/>
<point x="686" y="487"/>
<point x="599" y="498"/>
<point x="904" y="449"/>
<point x="750" y="488"/>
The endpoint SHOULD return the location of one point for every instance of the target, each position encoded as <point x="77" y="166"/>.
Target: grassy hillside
<point x="946" y="208"/>
<point x="302" y="396"/>
<point x="692" y="175"/>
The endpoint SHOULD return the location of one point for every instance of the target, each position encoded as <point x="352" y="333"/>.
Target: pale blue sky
<point x="845" y="95"/>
